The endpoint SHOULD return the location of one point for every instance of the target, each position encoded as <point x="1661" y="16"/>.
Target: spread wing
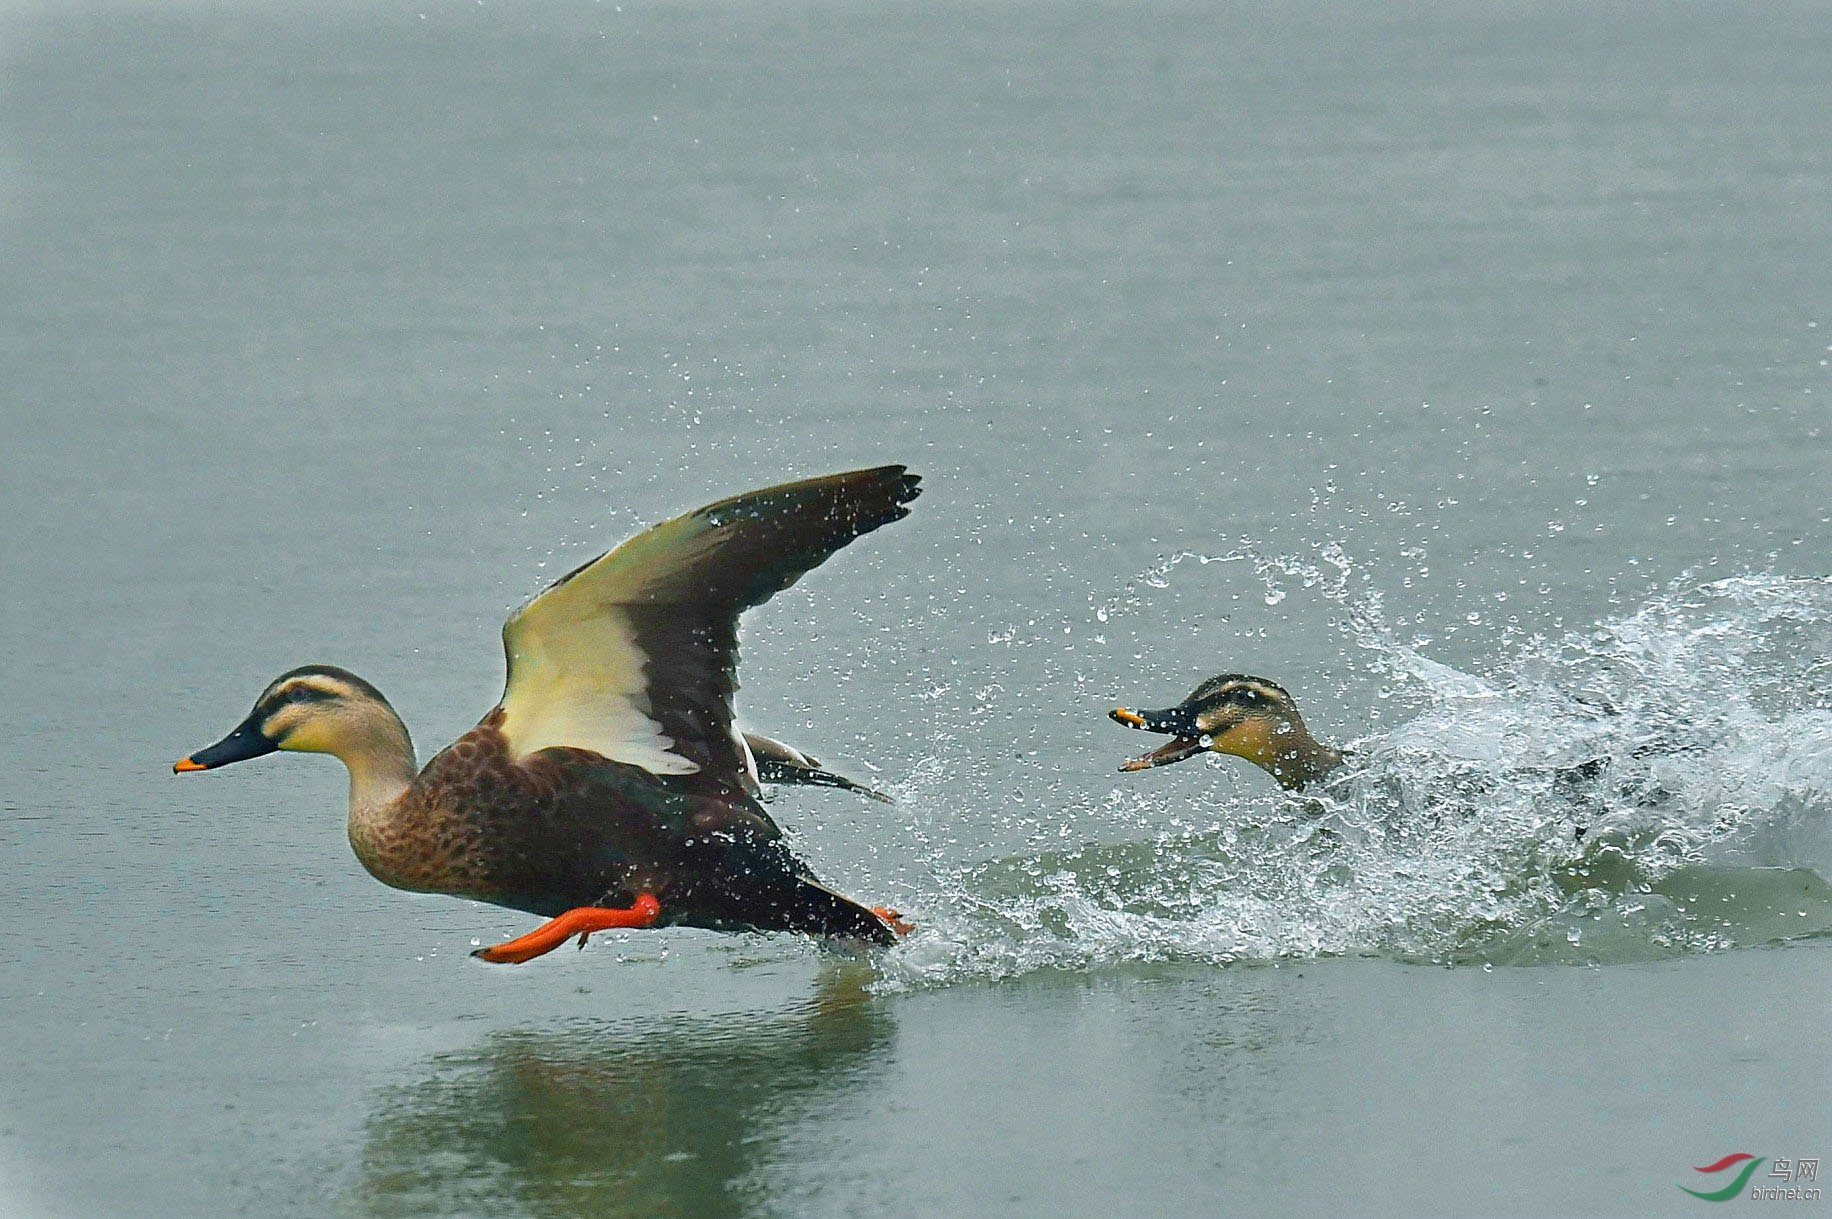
<point x="633" y="656"/>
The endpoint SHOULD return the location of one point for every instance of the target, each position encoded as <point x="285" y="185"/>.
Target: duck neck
<point x="382" y="767"/>
<point x="1304" y="760"/>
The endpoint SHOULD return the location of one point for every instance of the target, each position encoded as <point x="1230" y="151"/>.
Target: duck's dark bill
<point x="1171" y="719"/>
<point x="244" y="743"/>
<point x="1178" y="749"/>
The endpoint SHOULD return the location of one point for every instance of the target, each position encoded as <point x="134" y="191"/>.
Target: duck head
<point x="1249" y="717"/>
<point x="314" y="709"/>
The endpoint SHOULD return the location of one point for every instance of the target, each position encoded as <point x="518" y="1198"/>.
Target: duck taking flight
<point x="608" y="788"/>
<point x="1249" y="717"/>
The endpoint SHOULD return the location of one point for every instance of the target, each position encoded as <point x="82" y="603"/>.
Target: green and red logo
<point x="1730" y="1191"/>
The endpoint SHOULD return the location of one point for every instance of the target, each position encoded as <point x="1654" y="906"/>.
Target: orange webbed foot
<point x="893" y="919"/>
<point x="580" y="922"/>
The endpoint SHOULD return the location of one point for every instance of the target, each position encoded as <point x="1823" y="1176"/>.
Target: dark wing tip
<point x="864" y="500"/>
<point x="906" y="489"/>
<point x="893" y="485"/>
<point x="908" y="485"/>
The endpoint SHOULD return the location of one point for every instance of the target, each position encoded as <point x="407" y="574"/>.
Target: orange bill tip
<point x="1132" y="719"/>
<point x="184" y="764"/>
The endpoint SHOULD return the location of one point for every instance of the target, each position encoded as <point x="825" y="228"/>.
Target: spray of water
<point x="1657" y="785"/>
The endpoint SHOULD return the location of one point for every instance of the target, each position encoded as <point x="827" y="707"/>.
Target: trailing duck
<point x="1234" y="713"/>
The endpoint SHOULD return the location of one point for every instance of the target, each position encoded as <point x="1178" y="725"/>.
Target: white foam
<point x="1704" y="719"/>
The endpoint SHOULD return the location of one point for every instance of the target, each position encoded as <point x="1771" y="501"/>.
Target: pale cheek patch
<point x="1252" y="740"/>
<point x="284" y="723"/>
<point x="315" y="727"/>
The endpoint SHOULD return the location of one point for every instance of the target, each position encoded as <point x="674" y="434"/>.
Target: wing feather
<point x="634" y="655"/>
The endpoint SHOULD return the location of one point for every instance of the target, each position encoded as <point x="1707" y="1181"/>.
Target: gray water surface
<point x="1462" y="368"/>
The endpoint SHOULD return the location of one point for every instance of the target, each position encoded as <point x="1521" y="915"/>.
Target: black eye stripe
<point x="302" y="694"/>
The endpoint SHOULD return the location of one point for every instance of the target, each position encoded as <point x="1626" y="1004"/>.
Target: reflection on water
<point x="617" y="1118"/>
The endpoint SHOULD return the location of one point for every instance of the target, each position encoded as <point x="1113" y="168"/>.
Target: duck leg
<point x="581" y="922"/>
<point x="893" y="919"/>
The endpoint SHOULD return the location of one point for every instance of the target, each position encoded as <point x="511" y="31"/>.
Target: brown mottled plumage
<point x="609" y="777"/>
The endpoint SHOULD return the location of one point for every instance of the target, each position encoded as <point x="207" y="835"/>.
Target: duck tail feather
<point x="771" y="770"/>
<point x="821" y="911"/>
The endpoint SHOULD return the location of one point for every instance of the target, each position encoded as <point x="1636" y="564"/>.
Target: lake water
<point x="1463" y="368"/>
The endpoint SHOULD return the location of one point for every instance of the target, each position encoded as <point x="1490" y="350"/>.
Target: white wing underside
<point x="586" y="689"/>
<point x="580" y="668"/>
<point x="576" y="674"/>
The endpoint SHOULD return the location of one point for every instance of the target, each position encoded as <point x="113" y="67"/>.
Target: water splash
<point x="1657" y="785"/>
